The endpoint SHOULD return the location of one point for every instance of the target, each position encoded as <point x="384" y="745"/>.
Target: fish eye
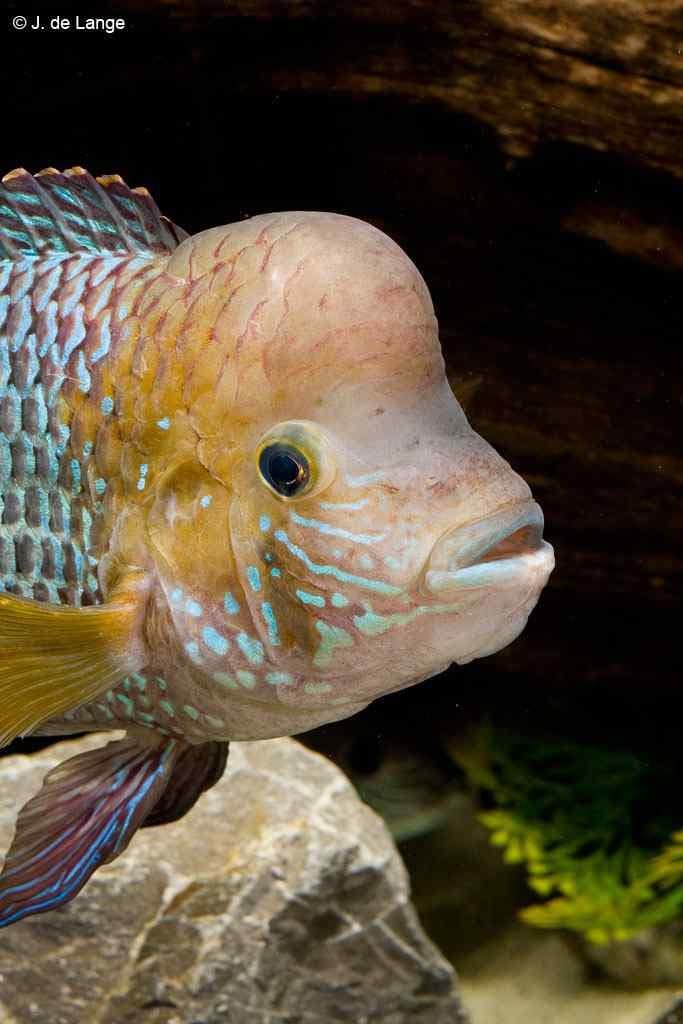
<point x="285" y="468"/>
<point x="295" y="458"/>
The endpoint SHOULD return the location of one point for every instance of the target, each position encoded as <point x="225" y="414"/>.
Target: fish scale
<point x="46" y="509"/>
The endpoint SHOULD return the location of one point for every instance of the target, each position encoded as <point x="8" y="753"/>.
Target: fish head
<point x="340" y="530"/>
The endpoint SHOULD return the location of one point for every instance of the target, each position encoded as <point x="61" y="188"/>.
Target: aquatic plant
<point x="595" y="828"/>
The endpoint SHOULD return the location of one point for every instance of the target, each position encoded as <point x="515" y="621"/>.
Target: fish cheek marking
<point x="190" y="532"/>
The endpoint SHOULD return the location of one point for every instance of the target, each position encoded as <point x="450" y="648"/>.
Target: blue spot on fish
<point x="279" y="678"/>
<point x="254" y="578"/>
<point x="192" y="649"/>
<point x="105" y="340"/>
<point x="351" y="506"/>
<point x="205" y="500"/>
<point x="215" y="640"/>
<point x="336" y="531"/>
<point x="275" y="572"/>
<point x="379" y="586"/>
<point x="264" y="524"/>
<point x="164" y="424"/>
<point x="271" y="623"/>
<point x="252" y="649"/>
<point x="339" y="601"/>
<point x="223" y="679"/>
<point x="307" y="598"/>
<point x="193" y="607"/>
<point x="75" y="476"/>
<point x="230" y="604"/>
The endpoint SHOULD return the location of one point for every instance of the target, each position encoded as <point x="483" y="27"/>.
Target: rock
<point x="653" y="957"/>
<point x="280" y="898"/>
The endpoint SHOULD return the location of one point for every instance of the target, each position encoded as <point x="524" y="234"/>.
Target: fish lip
<point x="493" y="551"/>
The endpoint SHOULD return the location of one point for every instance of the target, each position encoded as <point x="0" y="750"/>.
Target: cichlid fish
<point x="238" y="499"/>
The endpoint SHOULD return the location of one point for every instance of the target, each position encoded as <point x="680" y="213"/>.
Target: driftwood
<point x="607" y="74"/>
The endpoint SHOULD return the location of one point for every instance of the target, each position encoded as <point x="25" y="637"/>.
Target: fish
<point x="238" y="500"/>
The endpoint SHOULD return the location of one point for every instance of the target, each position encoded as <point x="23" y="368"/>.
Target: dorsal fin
<point x="72" y="212"/>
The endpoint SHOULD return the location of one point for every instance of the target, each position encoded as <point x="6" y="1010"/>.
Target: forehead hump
<point x="319" y="296"/>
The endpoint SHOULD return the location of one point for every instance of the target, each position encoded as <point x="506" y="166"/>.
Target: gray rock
<point x="280" y="899"/>
<point x="653" y="957"/>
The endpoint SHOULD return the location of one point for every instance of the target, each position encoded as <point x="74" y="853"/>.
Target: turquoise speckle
<point x="339" y="601"/>
<point x="317" y="688"/>
<point x="254" y="578"/>
<point x="271" y="623"/>
<point x="192" y="649"/>
<point x="392" y="562"/>
<point x="252" y="649"/>
<point x="215" y="641"/>
<point x="275" y="572"/>
<point x="166" y="706"/>
<point x="100" y="486"/>
<point x="107" y="405"/>
<point x="351" y="506"/>
<point x="230" y="604"/>
<point x="380" y="586"/>
<point x="176" y="595"/>
<point x="127" y="703"/>
<point x="264" y="524"/>
<point x="331" y="637"/>
<point x="205" y="500"/>
<point x="87" y="449"/>
<point x="373" y="625"/>
<point x="247" y="679"/>
<point x="336" y="531"/>
<point x="307" y="598"/>
<point x="193" y="608"/>
<point x="279" y="678"/>
<point x="164" y="424"/>
<point x="191" y="712"/>
<point x="75" y="476"/>
<point x="223" y="679"/>
<point x="161" y="683"/>
<point x="84" y="378"/>
<point x="144" y="469"/>
<point x="139" y="681"/>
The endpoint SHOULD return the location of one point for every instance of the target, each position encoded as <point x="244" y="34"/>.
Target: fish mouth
<point x="500" y="550"/>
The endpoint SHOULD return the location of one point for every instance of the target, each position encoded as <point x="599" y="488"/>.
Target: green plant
<point x="594" y="827"/>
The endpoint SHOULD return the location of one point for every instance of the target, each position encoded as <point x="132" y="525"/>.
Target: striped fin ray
<point x="57" y="212"/>
<point x="198" y="768"/>
<point x="54" y="658"/>
<point x="84" y="816"/>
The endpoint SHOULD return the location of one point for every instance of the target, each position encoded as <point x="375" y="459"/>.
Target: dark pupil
<point x="284" y="470"/>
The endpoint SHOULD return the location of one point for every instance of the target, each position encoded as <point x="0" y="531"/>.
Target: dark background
<point x="226" y="111"/>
